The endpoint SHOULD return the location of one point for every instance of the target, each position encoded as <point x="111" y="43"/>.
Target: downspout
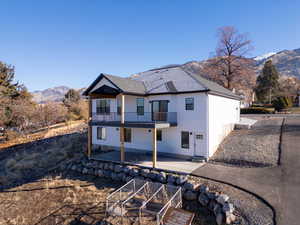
<point x="207" y="125"/>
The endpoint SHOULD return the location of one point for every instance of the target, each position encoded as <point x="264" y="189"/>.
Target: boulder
<point x="189" y="186"/>
<point x="217" y="209"/>
<point x="190" y="195"/>
<point x="203" y="199"/>
<point x="181" y="180"/>
<point x="222" y="199"/>
<point x="111" y="166"/>
<point x="171" y="179"/>
<point x="212" y="195"/>
<point x="73" y="167"/>
<point x="152" y="176"/>
<point x="145" y="172"/>
<point x="100" y="173"/>
<point x="220" y="219"/>
<point x="229" y="218"/>
<point x="126" y="169"/>
<point x="161" y="178"/>
<point x="203" y="188"/>
<point x="211" y="205"/>
<point x="107" y="173"/>
<point x="91" y="171"/>
<point x="228" y="207"/>
<point x="118" y="168"/>
<point x="85" y="170"/>
<point x="134" y="172"/>
<point x="100" y="165"/>
<point x="114" y="176"/>
<point x="105" y="166"/>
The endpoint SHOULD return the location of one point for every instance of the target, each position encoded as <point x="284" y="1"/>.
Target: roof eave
<point x="233" y="96"/>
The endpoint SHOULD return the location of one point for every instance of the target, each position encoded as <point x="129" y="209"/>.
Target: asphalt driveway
<point x="279" y="186"/>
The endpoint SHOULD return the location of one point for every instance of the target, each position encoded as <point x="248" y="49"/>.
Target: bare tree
<point x="230" y="65"/>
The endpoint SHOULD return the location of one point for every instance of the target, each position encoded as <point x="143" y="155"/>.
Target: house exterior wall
<point x="223" y="114"/>
<point x="193" y="121"/>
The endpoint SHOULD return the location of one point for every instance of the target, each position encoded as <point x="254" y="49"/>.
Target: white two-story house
<point x="165" y="111"/>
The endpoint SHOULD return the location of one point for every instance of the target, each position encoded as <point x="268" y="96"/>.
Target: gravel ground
<point x="249" y="209"/>
<point x="257" y="147"/>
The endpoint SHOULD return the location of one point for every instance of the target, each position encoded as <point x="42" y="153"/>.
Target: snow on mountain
<point x="264" y="56"/>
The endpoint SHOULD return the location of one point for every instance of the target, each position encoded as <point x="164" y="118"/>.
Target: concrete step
<point x="199" y="159"/>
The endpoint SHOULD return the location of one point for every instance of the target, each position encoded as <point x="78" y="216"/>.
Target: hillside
<point x="54" y="94"/>
<point x="287" y="62"/>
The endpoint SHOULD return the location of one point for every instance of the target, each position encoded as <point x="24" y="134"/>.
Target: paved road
<point x="279" y="186"/>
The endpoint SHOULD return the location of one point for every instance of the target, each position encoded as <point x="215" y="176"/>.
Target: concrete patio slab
<point x="145" y="160"/>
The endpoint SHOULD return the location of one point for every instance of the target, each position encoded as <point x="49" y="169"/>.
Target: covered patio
<point x="143" y="159"/>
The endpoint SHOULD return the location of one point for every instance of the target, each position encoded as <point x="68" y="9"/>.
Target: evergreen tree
<point x="7" y="87"/>
<point x="267" y="84"/>
<point x="71" y="97"/>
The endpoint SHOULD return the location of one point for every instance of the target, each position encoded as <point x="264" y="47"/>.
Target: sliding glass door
<point x="159" y="110"/>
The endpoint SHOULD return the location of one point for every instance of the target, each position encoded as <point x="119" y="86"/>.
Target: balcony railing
<point x="169" y="117"/>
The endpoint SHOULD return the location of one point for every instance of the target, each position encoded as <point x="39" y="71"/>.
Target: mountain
<point x="50" y="94"/>
<point x="287" y="62"/>
<point x="264" y="56"/>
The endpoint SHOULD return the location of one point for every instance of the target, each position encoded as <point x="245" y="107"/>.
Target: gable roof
<point x="126" y="85"/>
<point x="172" y="79"/>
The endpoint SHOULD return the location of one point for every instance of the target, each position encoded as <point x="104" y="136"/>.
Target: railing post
<point x="90" y="130"/>
<point x="154" y="147"/>
<point x="122" y="145"/>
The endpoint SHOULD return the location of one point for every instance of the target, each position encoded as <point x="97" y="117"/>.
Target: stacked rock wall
<point x="217" y="203"/>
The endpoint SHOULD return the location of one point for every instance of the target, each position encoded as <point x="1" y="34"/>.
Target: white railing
<point x="170" y="117"/>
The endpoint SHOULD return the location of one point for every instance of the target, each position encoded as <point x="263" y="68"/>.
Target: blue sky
<point x="62" y="42"/>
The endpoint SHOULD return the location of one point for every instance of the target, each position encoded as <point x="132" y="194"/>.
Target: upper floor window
<point x="189" y="103"/>
<point x="101" y="133"/>
<point x="140" y="106"/>
<point x="103" y="106"/>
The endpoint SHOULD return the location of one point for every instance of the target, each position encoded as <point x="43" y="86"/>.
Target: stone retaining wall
<point x="192" y="191"/>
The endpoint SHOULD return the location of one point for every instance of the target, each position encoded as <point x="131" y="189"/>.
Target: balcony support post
<point x="122" y="130"/>
<point x="90" y="129"/>
<point x="154" y="147"/>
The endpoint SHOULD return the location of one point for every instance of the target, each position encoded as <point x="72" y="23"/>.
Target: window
<point x="159" y="135"/>
<point x="127" y="134"/>
<point x="101" y="133"/>
<point x="103" y="106"/>
<point x="118" y="106"/>
<point x="189" y="104"/>
<point x="140" y="106"/>
<point x="185" y="139"/>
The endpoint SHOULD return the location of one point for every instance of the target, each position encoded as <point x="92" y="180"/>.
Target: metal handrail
<point x="167" y="205"/>
<point x="118" y="191"/>
<point x="147" y="183"/>
<point x="136" y="117"/>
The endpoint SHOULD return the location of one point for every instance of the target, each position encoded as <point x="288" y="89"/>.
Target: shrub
<point x="256" y="110"/>
<point x="281" y="103"/>
<point x="11" y="135"/>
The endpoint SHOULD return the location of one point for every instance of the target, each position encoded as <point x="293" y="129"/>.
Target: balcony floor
<point x="133" y="124"/>
<point x="145" y="160"/>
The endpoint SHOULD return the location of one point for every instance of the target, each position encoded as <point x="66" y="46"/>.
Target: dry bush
<point x="11" y="135"/>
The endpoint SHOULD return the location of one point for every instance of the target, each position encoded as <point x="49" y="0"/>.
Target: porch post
<point x="90" y="130"/>
<point x="122" y="147"/>
<point x="154" y="147"/>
